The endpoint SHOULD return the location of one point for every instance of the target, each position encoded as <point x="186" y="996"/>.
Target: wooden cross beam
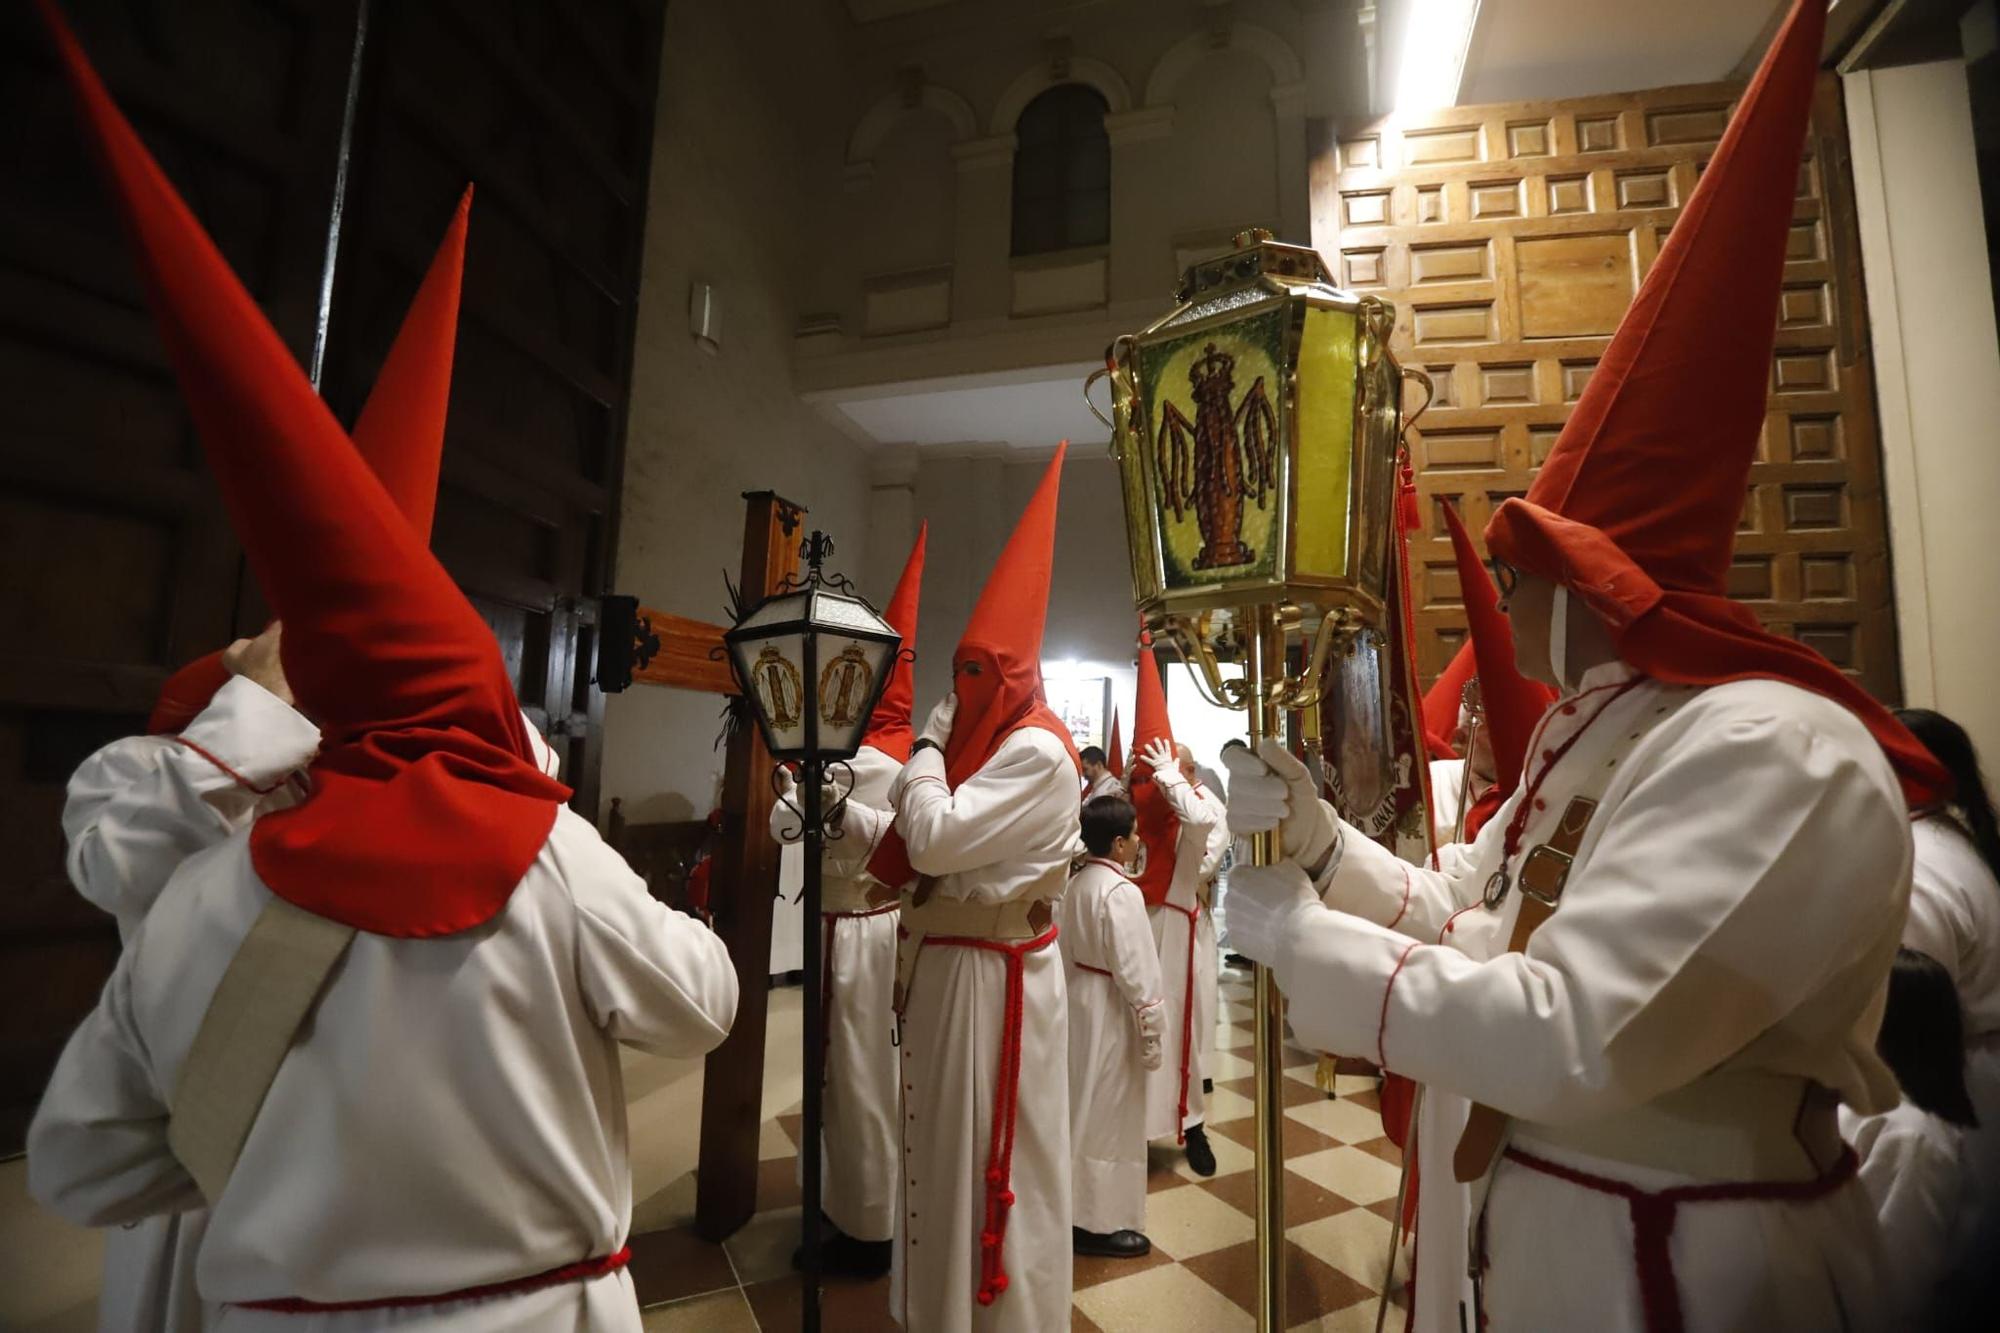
<point x="745" y="879"/>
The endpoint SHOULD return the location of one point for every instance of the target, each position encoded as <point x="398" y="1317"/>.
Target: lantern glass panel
<point x="1326" y="430"/>
<point x="1216" y="433"/>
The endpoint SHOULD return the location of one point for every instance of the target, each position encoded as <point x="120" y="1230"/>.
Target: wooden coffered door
<point x="1511" y="238"/>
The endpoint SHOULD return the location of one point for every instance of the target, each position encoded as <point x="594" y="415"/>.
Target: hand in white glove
<point x="937" y="729"/>
<point x="1164" y="761"/>
<point x="1152" y="1033"/>
<point x="788" y="812"/>
<point x="1268" y="790"/>
<point x="1266" y="906"/>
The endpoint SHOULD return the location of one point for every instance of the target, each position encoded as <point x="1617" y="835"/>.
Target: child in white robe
<point x="1117" y="1024"/>
<point x="1913" y="1157"/>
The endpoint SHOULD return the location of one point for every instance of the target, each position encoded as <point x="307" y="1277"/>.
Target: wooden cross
<point x="745" y="878"/>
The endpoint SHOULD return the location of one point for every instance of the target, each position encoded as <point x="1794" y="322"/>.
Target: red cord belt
<point x="1006" y="1103"/>
<point x="581" y="1271"/>
<point x="1187" y="1019"/>
<point x="1653" y="1220"/>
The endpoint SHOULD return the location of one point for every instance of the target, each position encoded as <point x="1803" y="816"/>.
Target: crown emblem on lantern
<point x="1211" y="366"/>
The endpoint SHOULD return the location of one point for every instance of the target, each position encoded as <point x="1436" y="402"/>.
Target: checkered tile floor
<point x="1340" y="1192"/>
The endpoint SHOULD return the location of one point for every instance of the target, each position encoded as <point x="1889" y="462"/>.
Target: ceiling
<point x="1029" y="409"/>
<point x="1535" y="49"/>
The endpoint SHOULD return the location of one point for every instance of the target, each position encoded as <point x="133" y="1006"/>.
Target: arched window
<point x="1062" y="171"/>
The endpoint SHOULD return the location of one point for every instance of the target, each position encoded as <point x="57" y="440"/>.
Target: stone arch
<point x="1183" y="56"/>
<point x="879" y="119"/>
<point x="1077" y="69"/>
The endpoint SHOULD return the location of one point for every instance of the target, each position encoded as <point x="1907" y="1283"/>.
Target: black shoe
<point x="1236" y="960"/>
<point x="840" y="1255"/>
<point x="1208" y="1087"/>
<point x="1114" y="1245"/>
<point x="1201" y="1157"/>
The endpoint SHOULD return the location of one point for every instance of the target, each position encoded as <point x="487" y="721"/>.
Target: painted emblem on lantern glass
<point x="1216" y="448"/>
<point x="779" y="687"/>
<point x="843" y="688"/>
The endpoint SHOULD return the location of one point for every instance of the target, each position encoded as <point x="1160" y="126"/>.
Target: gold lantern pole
<point x="1263" y="694"/>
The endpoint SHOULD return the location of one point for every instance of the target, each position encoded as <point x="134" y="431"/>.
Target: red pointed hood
<point x="426" y="805"/>
<point x="400" y="433"/>
<point x="1004" y="639"/>
<point x="889" y="725"/>
<point x="1512" y="703"/>
<point x="1637" y="506"/>
<point x="1157" y="825"/>
<point x="1114" y="753"/>
<point x="1441" y="702"/>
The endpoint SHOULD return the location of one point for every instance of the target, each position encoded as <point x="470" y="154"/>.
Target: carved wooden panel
<point x="1511" y="239"/>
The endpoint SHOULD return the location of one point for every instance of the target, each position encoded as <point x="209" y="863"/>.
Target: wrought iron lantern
<point x="812" y="659"/>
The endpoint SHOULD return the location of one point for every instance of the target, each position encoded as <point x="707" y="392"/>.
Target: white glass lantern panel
<point x="778" y="611"/>
<point x="849" y="613"/>
<point x="848" y="671"/>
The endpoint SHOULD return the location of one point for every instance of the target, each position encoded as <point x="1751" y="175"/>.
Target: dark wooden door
<point x="116" y="563"/>
<point x="1512" y="238"/>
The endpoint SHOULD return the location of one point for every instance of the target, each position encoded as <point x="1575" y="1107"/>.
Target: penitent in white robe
<point x="1185" y="932"/>
<point x="451" y="1116"/>
<point x="134" y="811"/>
<point x="1005" y="835"/>
<point x="1207" y="954"/>
<point x="1447" y="781"/>
<point x="1734" y="905"/>
<point x="1112" y="970"/>
<point x="859" y="1141"/>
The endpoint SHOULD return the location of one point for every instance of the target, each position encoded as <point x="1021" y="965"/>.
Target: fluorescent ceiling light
<point x="1433" y="55"/>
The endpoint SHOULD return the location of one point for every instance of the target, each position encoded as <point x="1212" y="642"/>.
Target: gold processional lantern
<point x="1257" y="428"/>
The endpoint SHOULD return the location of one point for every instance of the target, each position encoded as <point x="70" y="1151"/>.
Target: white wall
<point x="738" y="156"/>
<point x="1937" y="369"/>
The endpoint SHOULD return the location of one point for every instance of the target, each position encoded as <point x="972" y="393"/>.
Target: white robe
<point x="1955" y="918"/>
<point x="1112" y="970"/>
<point x="133" y="812"/>
<point x="1207" y="955"/>
<point x="1185" y="932"/>
<point x="1006" y="834"/>
<point x="1913" y="1168"/>
<point x="858" y="1136"/>
<point x="1734" y="904"/>
<point x="451" y="1116"/>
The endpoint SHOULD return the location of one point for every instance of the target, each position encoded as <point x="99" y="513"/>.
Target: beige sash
<point x="265" y="997"/>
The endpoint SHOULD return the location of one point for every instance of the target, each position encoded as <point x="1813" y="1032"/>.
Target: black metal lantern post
<point x="813" y="659"/>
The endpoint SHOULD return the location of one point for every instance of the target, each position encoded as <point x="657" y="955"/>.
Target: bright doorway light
<point x="1433" y="56"/>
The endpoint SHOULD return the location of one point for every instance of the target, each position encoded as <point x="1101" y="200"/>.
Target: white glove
<point x="1269" y="790"/>
<point x="1152" y="1033"/>
<point x="1164" y="761"/>
<point x="788" y="812"/>
<point x="937" y="729"/>
<point x="1267" y="904"/>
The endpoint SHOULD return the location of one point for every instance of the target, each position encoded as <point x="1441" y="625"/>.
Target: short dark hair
<point x="1106" y="819"/>
<point x="1923" y="1037"/>
<point x="1091" y="754"/>
<point x="1236" y="743"/>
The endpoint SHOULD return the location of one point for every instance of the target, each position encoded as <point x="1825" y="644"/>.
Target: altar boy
<point x="1117" y="1023"/>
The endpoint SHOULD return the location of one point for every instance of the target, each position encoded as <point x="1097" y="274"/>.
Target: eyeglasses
<point x="1505" y="577"/>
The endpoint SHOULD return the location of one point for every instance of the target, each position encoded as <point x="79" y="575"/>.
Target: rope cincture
<point x="1653" y="1213"/>
<point x="1006" y="1103"/>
